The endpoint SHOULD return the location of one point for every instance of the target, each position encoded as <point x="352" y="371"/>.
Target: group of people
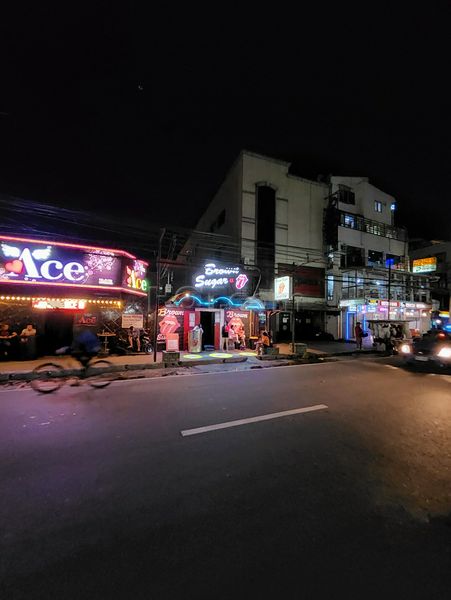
<point x="138" y="339"/>
<point x="15" y="345"/>
<point x="236" y="336"/>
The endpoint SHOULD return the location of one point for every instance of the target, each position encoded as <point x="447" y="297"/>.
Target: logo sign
<point x="214" y="277"/>
<point x="86" y="319"/>
<point x="170" y="321"/>
<point x="283" y="287"/>
<point x="424" y="265"/>
<point x="132" y="320"/>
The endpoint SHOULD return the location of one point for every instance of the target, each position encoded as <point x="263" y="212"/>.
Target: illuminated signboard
<point x="63" y="303"/>
<point x="424" y="265"/>
<point x="214" y="277"/>
<point x="283" y="288"/>
<point x="27" y="261"/>
<point x="170" y="321"/>
<point x="134" y="275"/>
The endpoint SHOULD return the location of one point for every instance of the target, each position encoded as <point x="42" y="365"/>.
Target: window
<point x="378" y="206"/>
<point x="330" y="287"/>
<point x="349" y="221"/>
<point x="221" y="218"/>
<point x="352" y="257"/>
<point x="345" y="194"/>
<point x="375" y="258"/>
<point x="374" y="227"/>
<point x="219" y="222"/>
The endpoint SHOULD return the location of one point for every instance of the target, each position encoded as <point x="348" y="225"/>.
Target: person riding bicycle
<point x="85" y="344"/>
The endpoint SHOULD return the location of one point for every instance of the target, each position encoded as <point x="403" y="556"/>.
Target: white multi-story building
<point x="274" y="222"/>
<point x="369" y="263"/>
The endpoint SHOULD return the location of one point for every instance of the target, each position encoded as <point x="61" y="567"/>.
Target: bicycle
<point x="49" y="377"/>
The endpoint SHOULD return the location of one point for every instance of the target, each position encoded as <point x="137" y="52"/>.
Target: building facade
<point x="434" y="259"/>
<point x="337" y="239"/>
<point x="369" y="274"/>
<point x="62" y="288"/>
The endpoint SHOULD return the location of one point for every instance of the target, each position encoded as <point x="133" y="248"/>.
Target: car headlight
<point x="445" y="353"/>
<point x="405" y="349"/>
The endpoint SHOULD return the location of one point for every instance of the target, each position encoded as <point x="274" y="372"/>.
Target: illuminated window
<point x="378" y="206"/>
<point x="350" y="221"/>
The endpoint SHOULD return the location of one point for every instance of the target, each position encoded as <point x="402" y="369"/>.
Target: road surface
<point x="130" y="492"/>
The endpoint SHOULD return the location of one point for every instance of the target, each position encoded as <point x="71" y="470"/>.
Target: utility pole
<point x="389" y="262"/>
<point x="157" y="295"/>
<point x="293" y="321"/>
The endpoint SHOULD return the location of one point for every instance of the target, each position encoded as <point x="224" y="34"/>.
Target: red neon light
<point x="77" y="285"/>
<point x="67" y="245"/>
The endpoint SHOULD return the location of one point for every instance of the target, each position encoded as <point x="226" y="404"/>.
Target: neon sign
<point x="35" y="262"/>
<point x="220" y="277"/>
<point x="135" y="276"/>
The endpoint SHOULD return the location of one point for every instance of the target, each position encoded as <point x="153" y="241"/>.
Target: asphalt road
<point x="102" y="497"/>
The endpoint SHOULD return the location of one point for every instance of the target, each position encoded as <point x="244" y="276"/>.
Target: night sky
<point x="139" y="113"/>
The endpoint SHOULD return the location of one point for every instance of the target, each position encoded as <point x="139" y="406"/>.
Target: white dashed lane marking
<point x="285" y="413"/>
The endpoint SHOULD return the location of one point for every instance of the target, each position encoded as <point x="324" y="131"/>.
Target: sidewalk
<point x="327" y="348"/>
<point x="20" y="369"/>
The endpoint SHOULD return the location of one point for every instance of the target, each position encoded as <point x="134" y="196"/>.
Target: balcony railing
<point x="359" y="223"/>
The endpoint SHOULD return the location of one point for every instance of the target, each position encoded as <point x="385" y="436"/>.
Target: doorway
<point x="58" y="330"/>
<point x="207" y="320"/>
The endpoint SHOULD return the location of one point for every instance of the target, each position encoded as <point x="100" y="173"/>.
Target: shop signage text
<point x="64" y="304"/>
<point x="219" y="277"/>
<point x="424" y="265"/>
<point x="132" y="320"/>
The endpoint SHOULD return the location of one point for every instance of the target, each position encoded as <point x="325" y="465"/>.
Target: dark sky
<point x="140" y="112"/>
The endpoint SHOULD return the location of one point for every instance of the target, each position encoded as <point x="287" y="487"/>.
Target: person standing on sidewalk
<point x="225" y="336"/>
<point x="358" y="332"/>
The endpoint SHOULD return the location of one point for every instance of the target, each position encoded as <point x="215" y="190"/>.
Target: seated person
<point x="6" y="337"/>
<point x="263" y="342"/>
<point x="134" y="339"/>
<point x="28" y="341"/>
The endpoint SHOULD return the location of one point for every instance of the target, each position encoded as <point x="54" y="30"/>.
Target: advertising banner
<point x="283" y="288"/>
<point x="307" y="281"/>
<point x="170" y="320"/>
<point x="239" y="320"/>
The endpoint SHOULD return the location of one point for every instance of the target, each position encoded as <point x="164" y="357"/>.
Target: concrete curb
<point x="28" y="375"/>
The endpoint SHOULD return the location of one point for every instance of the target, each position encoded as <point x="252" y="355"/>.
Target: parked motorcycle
<point x="146" y="344"/>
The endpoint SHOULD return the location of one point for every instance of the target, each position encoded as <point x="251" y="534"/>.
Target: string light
<point x="103" y="302"/>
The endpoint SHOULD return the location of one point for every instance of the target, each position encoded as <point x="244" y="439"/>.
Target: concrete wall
<point x="228" y="198"/>
<point x="299" y="210"/>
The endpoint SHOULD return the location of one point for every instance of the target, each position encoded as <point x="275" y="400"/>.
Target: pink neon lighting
<point x="67" y="245"/>
<point x="77" y="285"/>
